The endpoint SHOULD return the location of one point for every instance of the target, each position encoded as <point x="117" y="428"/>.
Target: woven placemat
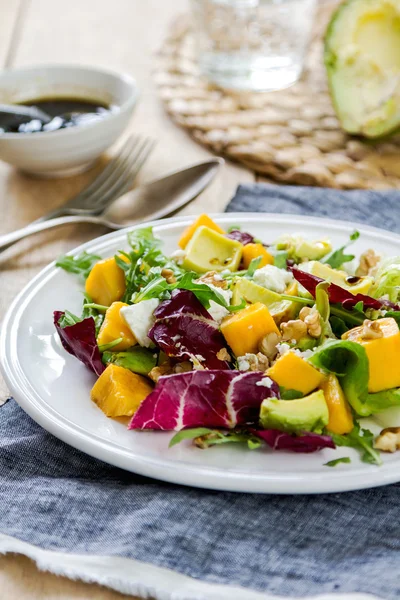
<point x="292" y="136"/>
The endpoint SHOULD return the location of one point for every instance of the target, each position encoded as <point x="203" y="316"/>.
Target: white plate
<point x="53" y="387"/>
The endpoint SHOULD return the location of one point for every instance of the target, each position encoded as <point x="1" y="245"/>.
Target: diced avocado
<point x="295" y="416"/>
<point x="298" y="248"/>
<point x="209" y="250"/>
<point x="355" y="285"/>
<point x="136" y="359"/>
<point x="362" y="58"/>
<point x="252" y="292"/>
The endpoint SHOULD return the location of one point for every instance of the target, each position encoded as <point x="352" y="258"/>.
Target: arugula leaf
<point x="68" y="319"/>
<point x="136" y="359"/>
<point x="202" y="291"/>
<point x="337" y="461"/>
<point x="359" y="306"/>
<point x="157" y="287"/>
<point x="110" y="345"/>
<point x="188" y="434"/>
<point x="338" y="326"/>
<point x="280" y="258"/>
<point x="395" y="314"/>
<point x="214" y="438"/>
<point x="233" y="228"/>
<point x="90" y="309"/>
<point x="237" y="307"/>
<point x="337" y="258"/>
<point x="349" y="317"/>
<point x="253" y="266"/>
<point x="362" y="440"/>
<point x="81" y="264"/>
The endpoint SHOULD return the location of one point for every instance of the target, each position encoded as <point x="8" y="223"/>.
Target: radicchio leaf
<point x="338" y="295"/>
<point x="204" y="399"/>
<point x="241" y="236"/>
<point x="184" y="329"/>
<point x="80" y="341"/>
<point x="305" y="443"/>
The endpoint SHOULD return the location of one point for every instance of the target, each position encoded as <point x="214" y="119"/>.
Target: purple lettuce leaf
<point x="338" y="295"/>
<point x="80" y="341"/>
<point x="204" y="399"/>
<point x="183" y="329"/>
<point x="241" y="236"/>
<point x="305" y="443"/>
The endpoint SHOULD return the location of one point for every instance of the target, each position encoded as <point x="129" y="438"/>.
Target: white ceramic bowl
<point x="66" y="151"/>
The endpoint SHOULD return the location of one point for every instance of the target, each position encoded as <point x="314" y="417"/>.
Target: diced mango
<point x="340" y="417"/>
<point x="383" y="354"/>
<point x="245" y="329"/>
<point x="119" y="392"/>
<point x="113" y="327"/>
<point x="199" y="222"/>
<point x="251" y="251"/>
<point x="106" y="282"/>
<point x="209" y="250"/>
<point x="294" y="373"/>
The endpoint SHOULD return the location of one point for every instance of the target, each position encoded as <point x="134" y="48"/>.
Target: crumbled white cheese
<point x="217" y="311"/>
<point x="139" y="318"/>
<point x="243" y="363"/>
<point x="272" y="278"/>
<point x="265" y="382"/>
<point x="199" y="357"/>
<point x="178" y="256"/>
<point x="283" y="348"/>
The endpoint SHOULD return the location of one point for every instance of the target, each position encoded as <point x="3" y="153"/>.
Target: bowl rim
<point x="125" y="107"/>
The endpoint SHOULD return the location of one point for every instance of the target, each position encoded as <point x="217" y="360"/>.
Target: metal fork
<point x="112" y="182"/>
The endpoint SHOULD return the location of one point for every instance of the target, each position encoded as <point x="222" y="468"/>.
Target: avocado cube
<point x="209" y="250"/>
<point x="296" y="416"/>
<point x="244" y="289"/>
<point x="355" y="285"/>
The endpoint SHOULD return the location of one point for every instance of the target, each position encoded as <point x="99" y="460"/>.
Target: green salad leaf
<point x="280" y="258"/>
<point x="205" y="438"/>
<point x="387" y="279"/>
<point x="81" y="264"/>
<point x="363" y="441"/>
<point x="188" y="434"/>
<point x="337" y="258"/>
<point x="68" y="319"/>
<point x="337" y="461"/>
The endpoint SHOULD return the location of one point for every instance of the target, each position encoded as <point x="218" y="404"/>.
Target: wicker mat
<point x="292" y="136"/>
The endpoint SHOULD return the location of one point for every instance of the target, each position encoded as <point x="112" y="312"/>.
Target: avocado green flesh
<point x="251" y="292"/>
<point x="362" y="57"/>
<point x="361" y="286"/>
<point x="211" y="251"/>
<point x="296" y="416"/>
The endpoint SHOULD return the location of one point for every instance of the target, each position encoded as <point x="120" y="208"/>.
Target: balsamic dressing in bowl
<point x="65" y="112"/>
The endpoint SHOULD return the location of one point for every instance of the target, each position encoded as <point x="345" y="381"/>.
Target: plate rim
<point x="185" y="474"/>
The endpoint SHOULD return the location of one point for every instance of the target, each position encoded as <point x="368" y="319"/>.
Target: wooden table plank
<point x="123" y="34"/>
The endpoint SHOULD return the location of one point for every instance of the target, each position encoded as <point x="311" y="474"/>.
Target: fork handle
<point x="9" y="239"/>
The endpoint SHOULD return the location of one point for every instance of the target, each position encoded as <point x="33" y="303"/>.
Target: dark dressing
<point x="64" y="112"/>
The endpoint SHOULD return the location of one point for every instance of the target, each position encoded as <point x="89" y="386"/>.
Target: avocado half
<point x="362" y="58"/>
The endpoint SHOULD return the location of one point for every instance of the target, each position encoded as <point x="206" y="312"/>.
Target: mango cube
<point x="383" y="354"/>
<point x="209" y="250"/>
<point x="340" y="417"/>
<point x="118" y="392"/>
<point x="294" y="373"/>
<point x="245" y="329"/>
<point x="114" y="327"/>
<point x="106" y="282"/>
<point x="251" y="251"/>
<point x="199" y="222"/>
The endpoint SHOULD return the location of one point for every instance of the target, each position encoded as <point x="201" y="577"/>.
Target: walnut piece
<point x="388" y="440"/>
<point x="371" y="330"/>
<point x="223" y="354"/>
<point x="253" y="362"/>
<point x="293" y="330"/>
<point x="167" y="368"/>
<point x="215" y="279"/>
<point x="368" y="261"/>
<point x="268" y="345"/>
<point x="168" y="275"/>
<point x="312" y="320"/>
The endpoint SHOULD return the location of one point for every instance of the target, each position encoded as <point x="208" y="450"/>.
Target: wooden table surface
<point x="119" y="34"/>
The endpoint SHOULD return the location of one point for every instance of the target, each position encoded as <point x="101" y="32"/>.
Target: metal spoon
<point x="150" y="201"/>
<point x="30" y="112"/>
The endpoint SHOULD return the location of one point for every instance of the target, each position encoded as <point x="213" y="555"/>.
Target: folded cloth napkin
<point x="77" y="516"/>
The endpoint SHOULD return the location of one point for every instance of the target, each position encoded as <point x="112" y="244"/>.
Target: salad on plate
<point x="289" y="345"/>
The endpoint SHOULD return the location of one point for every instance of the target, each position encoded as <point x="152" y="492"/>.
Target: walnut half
<point x="388" y="440"/>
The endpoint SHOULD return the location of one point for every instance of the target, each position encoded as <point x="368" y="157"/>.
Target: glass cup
<point x="252" y="44"/>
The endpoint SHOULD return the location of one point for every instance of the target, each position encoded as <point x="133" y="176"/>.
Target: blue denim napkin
<point x="59" y="499"/>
